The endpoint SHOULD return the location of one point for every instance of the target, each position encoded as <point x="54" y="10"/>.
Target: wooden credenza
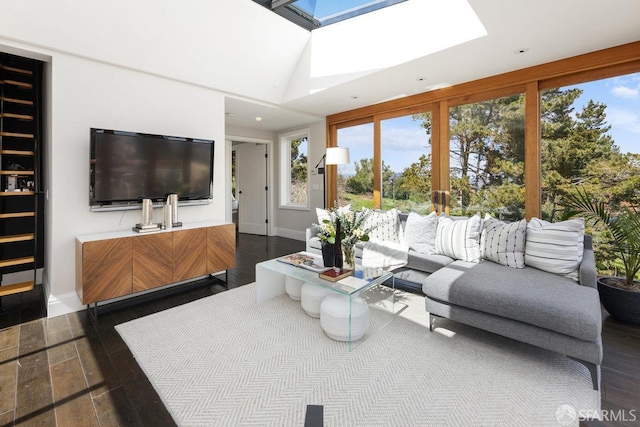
<point x="110" y="265"/>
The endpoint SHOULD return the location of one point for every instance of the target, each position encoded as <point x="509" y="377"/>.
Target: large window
<point x="406" y="163"/>
<point x="513" y="144"/>
<point x="486" y="152"/>
<point x="590" y="135"/>
<point x="294" y="170"/>
<point x="355" y="180"/>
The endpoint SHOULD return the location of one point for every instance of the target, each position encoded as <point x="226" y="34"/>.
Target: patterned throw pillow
<point x="459" y="238"/>
<point x="386" y="225"/>
<point x="555" y="247"/>
<point x="420" y="232"/>
<point x="504" y="242"/>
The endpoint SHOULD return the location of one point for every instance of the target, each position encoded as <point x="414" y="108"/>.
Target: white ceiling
<point x="407" y="49"/>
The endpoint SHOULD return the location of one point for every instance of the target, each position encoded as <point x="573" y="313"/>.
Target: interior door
<point x="251" y="173"/>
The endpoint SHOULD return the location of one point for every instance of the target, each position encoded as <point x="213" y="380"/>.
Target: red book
<point x="333" y="276"/>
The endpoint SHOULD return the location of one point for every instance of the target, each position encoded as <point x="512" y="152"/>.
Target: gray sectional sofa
<point x="526" y="304"/>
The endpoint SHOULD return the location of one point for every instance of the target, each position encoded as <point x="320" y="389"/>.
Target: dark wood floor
<point x="68" y="371"/>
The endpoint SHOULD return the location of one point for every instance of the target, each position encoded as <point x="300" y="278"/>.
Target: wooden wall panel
<point x="221" y="248"/>
<point x="106" y="269"/>
<point x="189" y="253"/>
<point x="152" y="261"/>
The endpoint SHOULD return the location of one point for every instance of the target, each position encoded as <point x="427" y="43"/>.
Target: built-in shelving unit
<point x="21" y="221"/>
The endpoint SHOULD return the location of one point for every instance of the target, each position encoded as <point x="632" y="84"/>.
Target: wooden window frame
<point x="606" y="63"/>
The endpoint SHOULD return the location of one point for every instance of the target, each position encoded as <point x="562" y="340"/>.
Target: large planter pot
<point x="622" y="304"/>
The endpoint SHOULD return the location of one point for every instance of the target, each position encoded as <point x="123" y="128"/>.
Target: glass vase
<point x="349" y="255"/>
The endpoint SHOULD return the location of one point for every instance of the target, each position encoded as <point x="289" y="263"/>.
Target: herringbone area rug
<point x="226" y="361"/>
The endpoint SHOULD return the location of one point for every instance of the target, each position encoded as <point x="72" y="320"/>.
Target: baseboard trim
<point x="291" y="234"/>
<point x="59" y="305"/>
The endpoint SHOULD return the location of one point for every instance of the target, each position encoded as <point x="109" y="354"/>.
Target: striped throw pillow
<point x="504" y="242"/>
<point x="459" y="238"/>
<point x="555" y="247"/>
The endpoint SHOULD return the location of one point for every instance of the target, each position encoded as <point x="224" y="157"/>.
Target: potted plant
<point x="327" y="236"/>
<point x="339" y="234"/>
<point x="620" y="296"/>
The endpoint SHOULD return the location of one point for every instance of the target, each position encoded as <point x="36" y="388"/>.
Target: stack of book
<point x="146" y="228"/>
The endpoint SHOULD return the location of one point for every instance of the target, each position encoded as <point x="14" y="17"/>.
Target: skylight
<point x="312" y="14"/>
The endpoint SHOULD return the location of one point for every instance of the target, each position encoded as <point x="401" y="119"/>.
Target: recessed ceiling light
<point x="523" y="50"/>
<point x="258" y="119"/>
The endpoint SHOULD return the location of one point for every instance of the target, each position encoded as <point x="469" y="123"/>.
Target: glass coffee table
<point x="347" y="296"/>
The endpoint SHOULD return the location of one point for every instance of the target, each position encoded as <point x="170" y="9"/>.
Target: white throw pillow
<point x="420" y="232"/>
<point x="459" y="238"/>
<point x="386" y="225"/>
<point x="555" y="247"/>
<point x="504" y="242"/>
<point x="323" y="214"/>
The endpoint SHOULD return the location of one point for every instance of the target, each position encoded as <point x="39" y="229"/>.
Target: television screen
<point x="127" y="167"/>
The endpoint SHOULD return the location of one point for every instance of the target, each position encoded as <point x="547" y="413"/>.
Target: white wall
<point x="218" y="44"/>
<point x="154" y="67"/>
<point x="82" y="94"/>
<point x="293" y="223"/>
<point x="89" y="94"/>
<point x="233" y="131"/>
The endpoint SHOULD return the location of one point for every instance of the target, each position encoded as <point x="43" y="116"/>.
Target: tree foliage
<point x="487" y="160"/>
<point x="298" y="162"/>
<point x="362" y="181"/>
<point x="487" y="163"/>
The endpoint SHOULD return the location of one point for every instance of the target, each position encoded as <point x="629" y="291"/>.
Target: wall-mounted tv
<point x="127" y="167"/>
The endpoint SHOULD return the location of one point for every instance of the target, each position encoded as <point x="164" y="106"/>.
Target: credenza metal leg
<point x="93" y="314"/>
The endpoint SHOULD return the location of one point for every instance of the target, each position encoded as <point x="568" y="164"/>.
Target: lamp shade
<point x="337" y="156"/>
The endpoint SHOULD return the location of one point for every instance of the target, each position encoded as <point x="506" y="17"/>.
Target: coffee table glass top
<point x="362" y="278"/>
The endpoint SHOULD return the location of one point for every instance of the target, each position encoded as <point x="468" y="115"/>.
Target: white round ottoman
<point x="293" y="287"/>
<point x="312" y="296"/>
<point x="334" y="317"/>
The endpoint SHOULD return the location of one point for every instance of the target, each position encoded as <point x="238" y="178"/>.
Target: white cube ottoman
<point x="293" y="287"/>
<point x="312" y="296"/>
<point x="334" y="317"/>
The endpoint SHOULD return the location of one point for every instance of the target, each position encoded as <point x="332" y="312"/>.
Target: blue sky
<point x="403" y="141"/>
<point x="622" y="97"/>
<point x="323" y="8"/>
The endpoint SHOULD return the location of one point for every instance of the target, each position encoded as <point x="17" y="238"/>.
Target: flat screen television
<point x="127" y="167"/>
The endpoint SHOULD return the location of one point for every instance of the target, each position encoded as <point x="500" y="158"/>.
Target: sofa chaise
<point x="528" y="304"/>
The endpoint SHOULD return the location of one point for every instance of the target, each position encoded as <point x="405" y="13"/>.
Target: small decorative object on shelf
<point x="172" y="200"/>
<point x="11" y="183"/>
<point x="167" y="221"/>
<point x="146" y="225"/>
<point x="139" y="228"/>
<point x="147" y="212"/>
